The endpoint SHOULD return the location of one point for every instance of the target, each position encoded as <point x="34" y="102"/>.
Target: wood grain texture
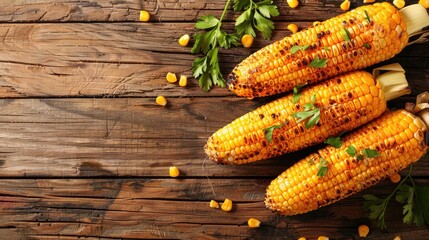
<point x="168" y="209"/>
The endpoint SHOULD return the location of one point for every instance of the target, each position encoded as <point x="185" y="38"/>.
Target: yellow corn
<point x="144" y="16"/>
<point x="395" y="178"/>
<point x="253" y="223"/>
<point x="293" y="3"/>
<point x="174" y="171"/>
<point x="302" y="238"/>
<point x="368" y="1"/>
<point x="183" y="81"/>
<point x="184" y="40"/>
<point x="397" y="136"/>
<point x="214" y="204"/>
<point x="363" y="230"/>
<point x="226" y="205"/>
<point x="397" y="238"/>
<point x="161" y="100"/>
<point x="345" y="5"/>
<point x="274" y="69"/>
<point x="171" y="77"/>
<point x="247" y="40"/>
<point x="322" y="238"/>
<point x="346" y="102"/>
<point x="399" y="3"/>
<point x="424" y="3"/>
<point x="316" y="23"/>
<point x="292" y="27"/>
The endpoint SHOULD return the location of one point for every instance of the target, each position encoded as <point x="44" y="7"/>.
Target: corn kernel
<point x="322" y="238"/>
<point x="315" y="23"/>
<point x="161" y="100"/>
<point x="184" y="40"/>
<point x="397" y="238"/>
<point x="174" y="171"/>
<point x="183" y="81"/>
<point x="171" y="77"/>
<point x="293" y="3"/>
<point x="399" y="3"/>
<point x="253" y="223"/>
<point x="368" y="1"/>
<point x="226" y="205"/>
<point x="214" y="204"/>
<point x="144" y="16"/>
<point x="424" y="3"/>
<point x="302" y="238"/>
<point x="292" y="27"/>
<point x="363" y="230"/>
<point x="345" y="5"/>
<point x="247" y="40"/>
<point x="395" y="178"/>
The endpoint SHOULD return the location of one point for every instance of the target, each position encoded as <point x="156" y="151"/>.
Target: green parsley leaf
<point x="421" y="205"/>
<point x="367" y="16"/>
<point x="367" y="46"/>
<point x="351" y="150"/>
<point x="296" y="92"/>
<point x="359" y="157"/>
<point x="269" y="132"/>
<point x="322" y="167"/>
<point x="334" y="141"/>
<point x="376" y="207"/>
<point x="346" y="34"/>
<point x="207" y="70"/>
<point x="297" y="48"/>
<point x="370" y="153"/>
<point x="318" y="63"/>
<point x="405" y="195"/>
<point x="206" y="22"/>
<point x="240" y="5"/>
<point x="310" y="112"/>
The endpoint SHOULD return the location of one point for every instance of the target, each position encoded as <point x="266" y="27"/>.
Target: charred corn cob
<point x="398" y="138"/>
<point x="354" y="40"/>
<point x="345" y="102"/>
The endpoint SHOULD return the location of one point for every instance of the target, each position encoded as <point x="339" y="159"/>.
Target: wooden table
<point x="85" y="151"/>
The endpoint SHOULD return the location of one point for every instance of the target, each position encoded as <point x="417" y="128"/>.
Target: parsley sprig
<point x="269" y="132"/>
<point x="365" y="153"/>
<point x="334" y="141"/>
<point x="310" y="112"/>
<point x="415" y="200"/>
<point x="322" y="167"/>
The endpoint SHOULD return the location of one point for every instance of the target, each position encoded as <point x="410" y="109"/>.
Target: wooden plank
<point x="175" y="209"/>
<point x="39" y="60"/>
<point x="123" y="137"/>
<point x="160" y="10"/>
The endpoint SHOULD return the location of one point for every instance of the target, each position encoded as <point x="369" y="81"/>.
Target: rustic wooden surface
<point x="85" y="151"/>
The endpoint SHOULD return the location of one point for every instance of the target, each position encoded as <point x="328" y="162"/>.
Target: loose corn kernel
<point x="174" y="171"/>
<point x="322" y="238"/>
<point x="395" y="178"/>
<point x="368" y="1"/>
<point x="183" y="81"/>
<point x="293" y="3"/>
<point x="226" y="205"/>
<point x="363" y="230"/>
<point x="397" y="238"/>
<point x="161" y="100"/>
<point x="247" y="40"/>
<point x="315" y="23"/>
<point x="214" y="204"/>
<point x="399" y="3"/>
<point x="171" y="77"/>
<point x="424" y="3"/>
<point x="345" y="5"/>
<point x="292" y="27"/>
<point x="253" y="223"/>
<point x="302" y="238"/>
<point x="144" y="16"/>
<point x="184" y="40"/>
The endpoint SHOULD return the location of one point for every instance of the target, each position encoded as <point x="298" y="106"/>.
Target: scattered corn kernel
<point x="253" y="223"/>
<point x="363" y="230"/>
<point x="183" y="81"/>
<point x="226" y="205"/>
<point x="171" y="77"/>
<point x="161" y="100"/>
<point x="174" y="171"/>
<point x="293" y="3"/>
<point x="399" y="3"/>
<point x="302" y="238"/>
<point x="247" y="40"/>
<point x="315" y="23"/>
<point x="214" y="204"/>
<point x="424" y="3"/>
<point x="184" y="40"/>
<point x="345" y="5"/>
<point x="292" y="27"/>
<point x="368" y="1"/>
<point x="144" y="16"/>
<point x="395" y="178"/>
<point x="322" y="238"/>
<point x="397" y="238"/>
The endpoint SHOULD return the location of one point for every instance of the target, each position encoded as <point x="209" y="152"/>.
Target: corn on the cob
<point x="399" y="139"/>
<point x="345" y="102"/>
<point x="351" y="41"/>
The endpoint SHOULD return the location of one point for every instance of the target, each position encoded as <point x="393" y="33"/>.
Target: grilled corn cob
<point x="354" y="40"/>
<point x="399" y="139"/>
<point x="345" y="102"/>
